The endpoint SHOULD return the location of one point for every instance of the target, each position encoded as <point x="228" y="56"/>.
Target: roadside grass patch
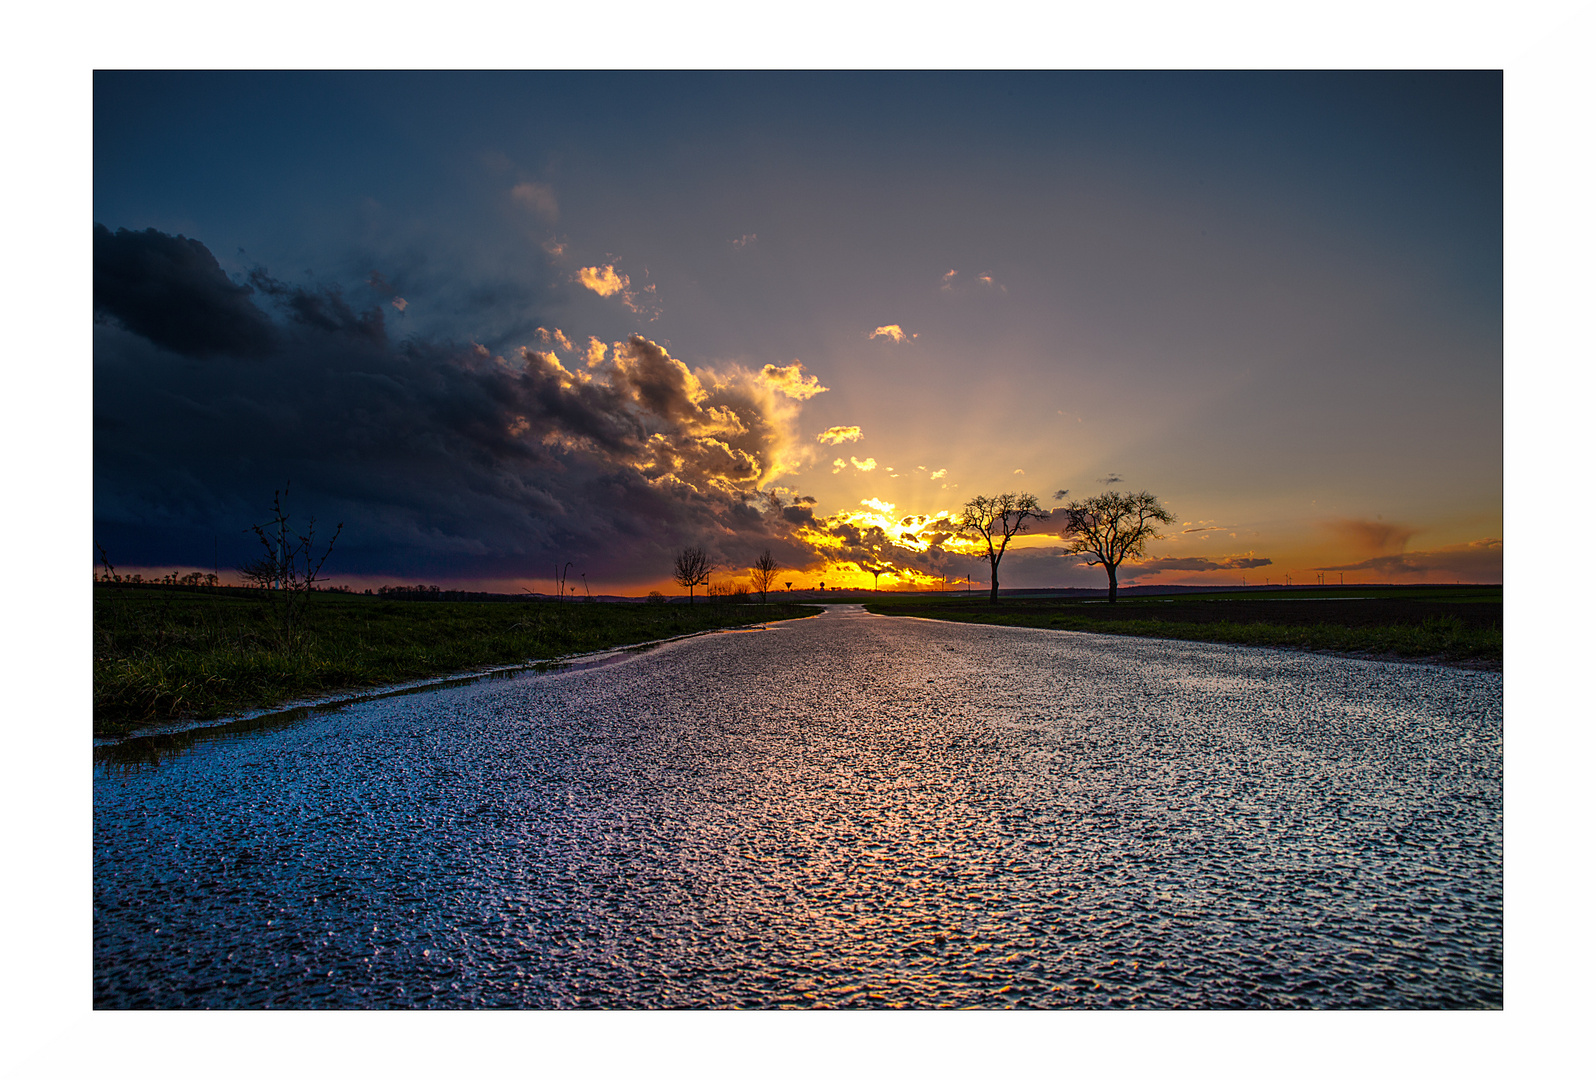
<point x="1444" y="637"/>
<point x="1441" y="638"/>
<point x="163" y="655"/>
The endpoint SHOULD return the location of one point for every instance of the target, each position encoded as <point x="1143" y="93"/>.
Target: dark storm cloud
<point x="1244" y="564"/>
<point x="663" y="384"/>
<point x="171" y="290"/>
<point x="1191" y="563"/>
<point x="799" y="515"/>
<point x="322" y="309"/>
<point x="442" y="459"/>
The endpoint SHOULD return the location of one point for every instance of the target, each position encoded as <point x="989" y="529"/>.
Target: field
<point x="1455" y="625"/>
<point x="166" y="654"/>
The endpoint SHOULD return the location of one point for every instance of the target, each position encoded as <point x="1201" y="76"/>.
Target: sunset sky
<point x="495" y="322"/>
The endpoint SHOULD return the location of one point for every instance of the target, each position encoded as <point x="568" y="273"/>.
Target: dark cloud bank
<point x="444" y="461"/>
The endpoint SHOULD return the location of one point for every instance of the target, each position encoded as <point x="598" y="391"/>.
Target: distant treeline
<point x="728" y="594"/>
<point x="386" y="592"/>
<point x="195" y="580"/>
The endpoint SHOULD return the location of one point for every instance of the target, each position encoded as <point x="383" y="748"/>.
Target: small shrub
<point x="656" y="597"/>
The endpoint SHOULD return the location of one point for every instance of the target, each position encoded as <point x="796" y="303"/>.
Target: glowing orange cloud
<point x="892" y="332"/>
<point x="603" y="280"/>
<point x="791" y="380"/>
<point x="552" y="337"/>
<point x="832" y="436"/>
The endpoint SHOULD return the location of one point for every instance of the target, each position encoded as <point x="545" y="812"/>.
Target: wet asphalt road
<point x="845" y="811"/>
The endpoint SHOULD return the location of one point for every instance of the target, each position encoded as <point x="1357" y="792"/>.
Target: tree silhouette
<point x="764" y="571"/>
<point x="1111" y="527"/>
<point x="997" y="520"/>
<point x="692" y="568"/>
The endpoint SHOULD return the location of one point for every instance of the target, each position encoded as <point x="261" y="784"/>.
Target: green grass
<point x="1441" y="637"/>
<point x="166" y="654"/>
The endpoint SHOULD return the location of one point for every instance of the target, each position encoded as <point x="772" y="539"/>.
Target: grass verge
<point x="166" y="654"/>
<point x="1351" y="627"/>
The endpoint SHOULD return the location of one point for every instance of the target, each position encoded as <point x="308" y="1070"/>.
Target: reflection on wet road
<point x="846" y="811"/>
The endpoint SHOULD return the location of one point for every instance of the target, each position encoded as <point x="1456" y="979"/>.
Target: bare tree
<point x="692" y="568"/>
<point x="262" y="573"/>
<point x="289" y="566"/>
<point x="764" y="573"/>
<point x="997" y="520"/>
<point x="1111" y="527"/>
